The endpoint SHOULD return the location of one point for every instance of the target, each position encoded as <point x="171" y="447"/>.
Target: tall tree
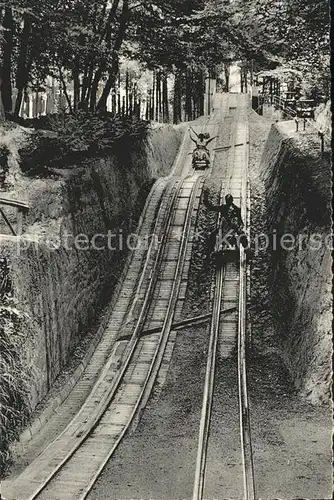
<point x="7" y="52"/>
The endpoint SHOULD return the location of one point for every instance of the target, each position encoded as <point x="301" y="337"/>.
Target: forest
<point x="82" y="44"/>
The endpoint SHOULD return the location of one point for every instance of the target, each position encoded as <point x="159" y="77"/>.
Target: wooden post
<point x="7" y="222"/>
<point x="21" y="209"/>
<point x="322" y="145"/>
<point x="19" y="221"/>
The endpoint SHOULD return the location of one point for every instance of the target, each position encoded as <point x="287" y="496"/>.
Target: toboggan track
<point x="69" y="467"/>
<point x="227" y="285"/>
<point x="93" y="445"/>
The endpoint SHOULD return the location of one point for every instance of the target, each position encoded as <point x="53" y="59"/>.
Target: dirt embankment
<point x="297" y="215"/>
<point x="62" y="283"/>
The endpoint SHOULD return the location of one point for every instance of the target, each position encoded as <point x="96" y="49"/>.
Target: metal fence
<point x="301" y="122"/>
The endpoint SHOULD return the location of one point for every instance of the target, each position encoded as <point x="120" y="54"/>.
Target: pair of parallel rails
<point x="230" y="289"/>
<point x="69" y="467"/>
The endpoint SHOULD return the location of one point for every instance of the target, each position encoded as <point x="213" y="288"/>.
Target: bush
<point x="74" y="138"/>
<point x="14" y="378"/>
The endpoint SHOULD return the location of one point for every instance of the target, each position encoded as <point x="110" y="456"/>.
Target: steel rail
<point x="131" y="348"/>
<point x="153" y="192"/>
<point x="133" y="343"/>
<point x="157" y="183"/>
<point x="245" y="429"/>
<point x="208" y="391"/>
<point x="165" y="333"/>
<point x="104" y="402"/>
<point x="244" y="413"/>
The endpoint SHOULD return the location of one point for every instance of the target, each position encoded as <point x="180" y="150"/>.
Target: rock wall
<point x="298" y="205"/>
<point x="62" y="288"/>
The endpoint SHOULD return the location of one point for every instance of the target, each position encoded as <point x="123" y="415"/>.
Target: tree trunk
<point x="107" y="35"/>
<point x="76" y="89"/>
<point x="188" y="108"/>
<point x="153" y="97"/>
<point x="165" y="99"/>
<point x="102" y="17"/>
<point x="6" y="86"/>
<point x="127" y="93"/>
<point x="194" y="98"/>
<point x="113" y="103"/>
<point x="227" y="76"/>
<point x="245" y="80"/>
<point x="86" y="82"/>
<point x="92" y="97"/>
<point x="22" y="74"/>
<point x="123" y="24"/>
<point x="119" y="94"/>
<point x="157" y="85"/>
<point x="152" y="105"/>
<point x="135" y="99"/>
<point x="148" y="100"/>
<point x="202" y="90"/>
<point x="2" y="109"/>
<point x="84" y="85"/>
<point x="159" y="97"/>
<point x="139" y="109"/>
<point x="271" y="90"/>
<point x="67" y="97"/>
<point x="177" y="98"/>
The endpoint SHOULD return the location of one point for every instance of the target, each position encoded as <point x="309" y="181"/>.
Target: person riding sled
<point x="231" y="220"/>
<point x="202" y="141"/>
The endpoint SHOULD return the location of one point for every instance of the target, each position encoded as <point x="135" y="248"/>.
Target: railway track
<point x="70" y="465"/>
<point x="227" y="333"/>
